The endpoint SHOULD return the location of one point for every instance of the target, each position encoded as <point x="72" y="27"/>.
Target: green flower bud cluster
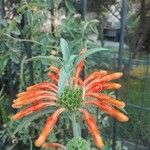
<point x="71" y="99"/>
<point x="77" y="144"/>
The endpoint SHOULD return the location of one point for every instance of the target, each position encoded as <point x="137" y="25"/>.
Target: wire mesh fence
<point x="133" y="135"/>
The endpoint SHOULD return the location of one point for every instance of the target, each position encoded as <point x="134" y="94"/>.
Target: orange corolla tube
<point x="107" y="99"/>
<point x="94" y="75"/>
<point x="107" y="86"/>
<point x="79" y="68"/>
<point x="104" y="79"/>
<point x="34" y="94"/>
<point x="78" y="71"/>
<point x="80" y="82"/>
<point x="108" y="110"/>
<point x="31" y="109"/>
<point x="83" y="51"/>
<point x="53" y="145"/>
<point x="36" y="99"/>
<point x="51" y="121"/>
<point x="54" y="69"/>
<point x="53" y="77"/>
<point x="97" y="87"/>
<point x="92" y="127"/>
<point x="43" y="85"/>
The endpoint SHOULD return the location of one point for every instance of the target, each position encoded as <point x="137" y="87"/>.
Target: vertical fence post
<point x="2" y="8"/>
<point x="120" y="55"/>
<point x="28" y="51"/>
<point x="84" y="6"/>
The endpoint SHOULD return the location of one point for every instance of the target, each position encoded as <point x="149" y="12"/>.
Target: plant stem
<point x="76" y="132"/>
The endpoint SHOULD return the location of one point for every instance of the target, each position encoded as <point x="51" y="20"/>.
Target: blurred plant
<point x="69" y="93"/>
<point x="32" y="31"/>
<point x="139" y="71"/>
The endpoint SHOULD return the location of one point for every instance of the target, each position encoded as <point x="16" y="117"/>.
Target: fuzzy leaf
<point x="69" y="66"/>
<point x="65" y="50"/>
<point x="88" y="53"/>
<point x="29" y="16"/>
<point x="65" y="73"/>
<point x="63" y="76"/>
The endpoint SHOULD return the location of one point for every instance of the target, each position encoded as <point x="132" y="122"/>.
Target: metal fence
<point x="135" y="134"/>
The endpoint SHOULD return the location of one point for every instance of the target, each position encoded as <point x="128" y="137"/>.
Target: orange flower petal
<point x="107" y="99"/>
<point x="92" y="128"/>
<point x="43" y="85"/>
<point x="94" y="75"/>
<point x="79" y="68"/>
<point x="106" y="86"/>
<point x="94" y="88"/>
<point x="104" y="79"/>
<point x="78" y="71"/>
<point x="54" y="69"/>
<point x="32" y="94"/>
<point x="53" y="77"/>
<point x="53" y="145"/>
<point x="112" y="76"/>
<point x="108" y="109"/>
<point x="80" y="82"/>
<point x="31" y="109"/>
<point x="51" y="121"/>
<point x="36" y="99"/>
<point x="83" y="51"/>
<point x="111" y="86"/>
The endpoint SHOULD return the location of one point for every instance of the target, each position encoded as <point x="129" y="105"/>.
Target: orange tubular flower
<point x="53" y="145"/>
<point x="73" y="99"/>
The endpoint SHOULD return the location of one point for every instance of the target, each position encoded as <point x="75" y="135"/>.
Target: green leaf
<point x="3" y="63"/>
<point x="18" y="18"/>
<point x="70" y="63"/>
<point x="29" y="17"/>
<point x="70" y="6"/>
<point x="63" y="77"/>
<point x="13" y="28"/>
<point x="44" y="58"/>
<point x="24" y="122"/>
<point x="50" y="3"/>
<point x="14" y="57"/>
<point x="22" y="8"/>
<point x="65" y="73"/>
<point x="3" y="22"/>
<point x="89" y="53"/>
<point x="65" y="50"/>
<point x="107" y="147"/>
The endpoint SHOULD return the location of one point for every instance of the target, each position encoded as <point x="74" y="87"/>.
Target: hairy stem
<point x="76" y="132"/>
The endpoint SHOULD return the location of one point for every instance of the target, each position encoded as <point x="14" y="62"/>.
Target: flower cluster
<point x="74" y="98"/>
